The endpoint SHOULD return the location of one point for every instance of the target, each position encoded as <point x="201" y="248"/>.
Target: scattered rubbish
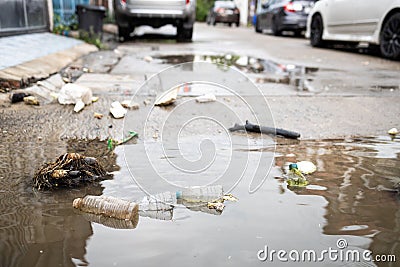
<point x="18" y="97"/>
<point x="75" y="94"/>
<point x="146" y="102"/>
<point x="98" y="115"/>
<point x="155" y="135"/>
<point x="249" y="127"/>
<point x="71" y="73"/>
<point x="95" y="99"/>
<point x="393" y="132"/>
<point x="201" y="194"/>
<point x="112" y="222"/>
<point x="31" y="100"/>
<point x="216" y="205"/>
<point x="167" y="98"/>
<point x="206" y="98"/>
<point x="111" y="143"/>
<point x="70" y="169"/>
<point x="162" y="201"/>
<point x="148" y="59"/>
<point x="129" y="104"/>
<point x="79" y="106"/>
<point x="117" y="110"/>
<point x="108" y="206"/>
<point x="306" y="167"/>
<point x="295" y="178"/>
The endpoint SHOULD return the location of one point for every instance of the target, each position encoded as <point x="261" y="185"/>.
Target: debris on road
<point x="75" y="94"/>
<point x="206" y="98"/>
<point x="306" y="167"/>
<point x="117" y="110"/>
<point x="108" y="206"/>
<point x="393" y="132"/>
<point x="111" y="143"/>
<point x="98" y="115"/>
<point x="148" y="59"/>
<point x="130" y="105"/>
<point x="295" y="178"/>
<point x="95" y="99"/>
<point x="167" y="98"/>
<point x="31" y="100"/>
<point x="249" y="127"/>
<point x="18" y="97"/>
<point x="70" y="169"/>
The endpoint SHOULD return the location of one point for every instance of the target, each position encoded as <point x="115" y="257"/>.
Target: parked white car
<point x="370" y="21"/>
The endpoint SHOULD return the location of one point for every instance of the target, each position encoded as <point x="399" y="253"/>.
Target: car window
<point x="225" y="4"/>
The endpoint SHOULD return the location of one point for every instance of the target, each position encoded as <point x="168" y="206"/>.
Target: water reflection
<point x="361" y="177"/>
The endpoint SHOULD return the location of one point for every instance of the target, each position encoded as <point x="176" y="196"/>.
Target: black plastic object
<point x="249" y="127"/>
<point x="90" y="18"/>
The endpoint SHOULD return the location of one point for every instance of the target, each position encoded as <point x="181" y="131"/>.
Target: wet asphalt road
<point x="330" y="93"/>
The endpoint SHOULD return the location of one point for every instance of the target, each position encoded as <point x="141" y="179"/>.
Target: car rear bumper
<point x="227" y="18"/>
<point x="154" y="18"/>
<point x="293" y="22"/>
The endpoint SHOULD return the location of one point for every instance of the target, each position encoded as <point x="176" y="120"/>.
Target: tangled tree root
<point x="69" y="170"/>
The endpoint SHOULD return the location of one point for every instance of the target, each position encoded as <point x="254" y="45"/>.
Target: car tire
<point x="237" y="24"/>
<point x="257" y="27"/>
<point x="184" y="34"/>
<point x="275" y="28"/>
<point x="317" y="29"/>
<point x="124" y="33"/>
<point x="230" y="24"/>
<point x="213" y="22"/>
<point x="389" y="38"/>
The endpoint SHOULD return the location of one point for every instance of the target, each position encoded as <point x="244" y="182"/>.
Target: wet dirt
<point x="353" y="195"/>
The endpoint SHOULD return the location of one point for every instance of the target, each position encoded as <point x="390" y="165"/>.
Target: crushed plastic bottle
<point x="295" y="177"/>
<point x="158" y="202"/>
<point x="201" y="194"/>
<point x="107" y="206"/>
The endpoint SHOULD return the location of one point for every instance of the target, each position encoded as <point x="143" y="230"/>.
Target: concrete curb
<point x="22" y="75"/>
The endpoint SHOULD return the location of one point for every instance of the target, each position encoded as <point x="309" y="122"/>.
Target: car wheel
<point x="257" y="27"/>
<point x="184" y="34"/>
<point x="213" y="22"/>
<point x="390" y="38"/>
<point x="230" y="24"/>
<point x="275" y="28"/>
<point x="124" y="33"/>
<point x="317" y="28"/>
<point x="237" y="24"/>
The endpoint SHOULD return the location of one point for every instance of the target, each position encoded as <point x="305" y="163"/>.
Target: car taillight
<point x="220" y="10"/>
<point x="187" y="2"/>
<point x="123" y="2"/>
<point x="293" y="7"/>
<point x="236" y="11"/>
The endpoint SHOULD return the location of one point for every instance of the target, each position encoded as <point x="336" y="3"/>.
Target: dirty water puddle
<point x="353" y="195"/>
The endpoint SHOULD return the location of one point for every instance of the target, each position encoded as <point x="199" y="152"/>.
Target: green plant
<point x="202" y="8"/>
<point x="91" y="37"/>
<point x="61" y="26"/>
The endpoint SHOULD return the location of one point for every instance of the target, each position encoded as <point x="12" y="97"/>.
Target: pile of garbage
<point x="70" y="169"/>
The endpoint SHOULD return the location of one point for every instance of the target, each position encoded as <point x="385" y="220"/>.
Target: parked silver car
<point x="155" y="13"/>
<point x="369" y="21"/>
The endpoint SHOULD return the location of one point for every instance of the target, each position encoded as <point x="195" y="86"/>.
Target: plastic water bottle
<point x="107" y="206"/>
<point x="158" y="202"/>
<point x="201" y="193"/>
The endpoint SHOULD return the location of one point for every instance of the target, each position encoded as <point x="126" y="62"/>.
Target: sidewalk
<point x="31" y="57"/>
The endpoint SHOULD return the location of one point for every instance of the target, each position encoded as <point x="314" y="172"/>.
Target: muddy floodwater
<point x="352" y="203"/>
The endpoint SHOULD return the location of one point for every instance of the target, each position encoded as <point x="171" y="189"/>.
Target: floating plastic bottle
<point x="158" y="202"/>
<point x="201" y="194"/>
<point x="295" y="177"/>
<point x="107" y="206"/>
